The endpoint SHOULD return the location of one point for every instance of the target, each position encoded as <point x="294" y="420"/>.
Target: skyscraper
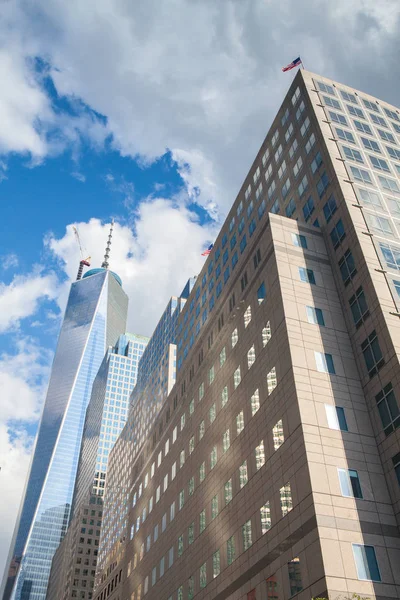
<point x="94" y="318"/>
<point x="106" y="414"/>
<point x="156" y="378"/>
<point x="272" y="470"/>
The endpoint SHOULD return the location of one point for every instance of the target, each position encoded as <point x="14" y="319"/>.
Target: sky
<point x="150" y="113"/>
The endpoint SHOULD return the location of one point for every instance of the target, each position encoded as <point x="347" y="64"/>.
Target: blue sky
<point x="150" y="115"/>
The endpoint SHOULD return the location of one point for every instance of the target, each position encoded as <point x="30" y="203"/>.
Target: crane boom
<point x="84" y="261"/>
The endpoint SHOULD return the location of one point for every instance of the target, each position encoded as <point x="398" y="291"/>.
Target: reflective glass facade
<point x="96" y="311"/>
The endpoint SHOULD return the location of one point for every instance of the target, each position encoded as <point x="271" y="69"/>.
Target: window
<point x="256" y="260"/>
<point x="243" y="477"/>
<point x="275" y="138"/>
<point x="286" y="499"/>
<point x="291" y="207"/>
<point x="261" y="209"/>
<point x="247" y="316"/>
<point x="181" y="459"/>
<point x="278" y="153"/>
<point x="211" y="375"/>
<point x="239" y="422"/>
<point x="336" y="417"/>
<point x="306" y="275"/>
<point x="315" y="315"/>
<point x="171" y="557"/>
<point x="338" y="118"/>
<point x="363" y="127"/>
<point x="293" y="148"/>
<point x="386" y="136"/>
<point x="348" y="97"/>
<point x="228" y="491"/>
<point x="226" y="441"/>
<point x="224" y="396"/>
<point x="305" y="126"/>
<point x="214" y="507"/>
<point x="271" y="380"/>
<point x="356" y="112"/>
<point x="308" y="208"/>
<point x="296" y="96"/>
<point x="344" y="135"/>
<point x="243" y="281"/>
<point x="272" y="588"/>
<point x="260" y="455"/>
<point x="297" y="166"/>
<point x="246" y="535"/>
<point x="266" y="334"/>
<point x="236" y="377"/>
<point x="203" y="575"/>
<point x="372" y="354"/>
<point x="378" y="120"/>
<point x="349" y="483"/>
<point x="379" y="163"/>
<point x="180" y="545"/>
<point x="289" y="132"/>
<point x="338" y="234"/>
<point x="310" y="143"/>
<point x="202" y="521"/>
<point x="391" y="114"/>
<point x="380" y="224"/>
<point x="282" y="169"/>
<point x="352" y="154"/>
<point x="202" y="471"/>
<point x="332" y="102"/>
<point x="370" y="145"/>
<point x="252" y="228"/>
<point x="316" y="163"/>
<point x="396" y="464"/>
<point x="216" y="561"/>
<point x="181" y="499"/>
<point x="261" y="293"/>
<point x="299" y="240"/>
<point x="388" y="409"/>
<point x="324" y="87"/>
<point x="295" y="581"/>
<point x="300" y="110"/>
<point x="369" y="197"/>
<point x="265" y="515"/>
<point x="277" y="435"/>
<point x="202" y="428"/>
<point x="234" y="337"/>
<point x="243" y="244"/>
<point x="389" y="184"/>
<point x="366" y="563"/>
<point x="191" y="444"/>
<point x="251" y="357"/>
<point x="201" y="391"/>
<point x="393" y="153"/>
<point x="255" y="402"/>
<point x="361" y="175"/>
<point x="172" y="512"/>
<point x="191" y="533"/>
<point x="230" y="550"/>
<point x="286" y="188"/>
<point x="324" y="363"/>
<point x="212" y="413"/>
<point x="275" y="208"/>
<point x="303" y="186"/>
<point x="213" y="457"/>
<point x="322" y="184"/>
<point x="347" y="267"/>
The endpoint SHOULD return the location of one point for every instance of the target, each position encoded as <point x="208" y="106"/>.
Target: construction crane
<point x="84" y="262"/>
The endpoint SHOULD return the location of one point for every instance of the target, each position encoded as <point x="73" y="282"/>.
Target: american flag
<point x="295" y="63"/>
<point x="208" y="251"/>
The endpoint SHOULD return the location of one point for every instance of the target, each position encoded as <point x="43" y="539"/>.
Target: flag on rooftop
<point x="208" y="251"/>
<point x="295" y="63"/>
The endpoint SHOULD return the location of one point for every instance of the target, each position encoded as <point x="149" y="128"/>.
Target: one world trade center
<point x="94" y="318"/>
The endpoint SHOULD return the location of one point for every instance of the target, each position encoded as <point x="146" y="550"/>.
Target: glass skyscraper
<point x="94" y="318"/>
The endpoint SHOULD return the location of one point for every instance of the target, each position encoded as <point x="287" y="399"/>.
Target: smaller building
<point x="74" y="563"/>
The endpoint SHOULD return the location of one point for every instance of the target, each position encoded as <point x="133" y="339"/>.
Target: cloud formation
<point x="202" y="79"/>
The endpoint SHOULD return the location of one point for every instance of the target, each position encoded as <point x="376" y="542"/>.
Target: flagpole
<point x="302" y="64"/>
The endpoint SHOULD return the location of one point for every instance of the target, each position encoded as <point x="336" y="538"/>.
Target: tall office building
<point x="272" y="470"/>
<point x="73" y="567"/>
<point x="94" y="318"/>
<point x="156" y="378"/>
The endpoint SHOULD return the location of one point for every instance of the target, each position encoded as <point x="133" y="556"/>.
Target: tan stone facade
<point x="272" y="469"/>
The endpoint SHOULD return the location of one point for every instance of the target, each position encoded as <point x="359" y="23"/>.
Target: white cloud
<point x="23" y="378"/>
<point x="79" y="176"/>
<point x="9" y="261"/>
<point x="21" y="298"/>
<point x="200" y="78"/>
<point x="154" y="261"/>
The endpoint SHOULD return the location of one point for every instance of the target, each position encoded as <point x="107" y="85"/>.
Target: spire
<point x="104" y="264"/>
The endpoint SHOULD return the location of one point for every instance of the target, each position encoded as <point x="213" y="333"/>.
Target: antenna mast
<point x="104" y="264"/>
